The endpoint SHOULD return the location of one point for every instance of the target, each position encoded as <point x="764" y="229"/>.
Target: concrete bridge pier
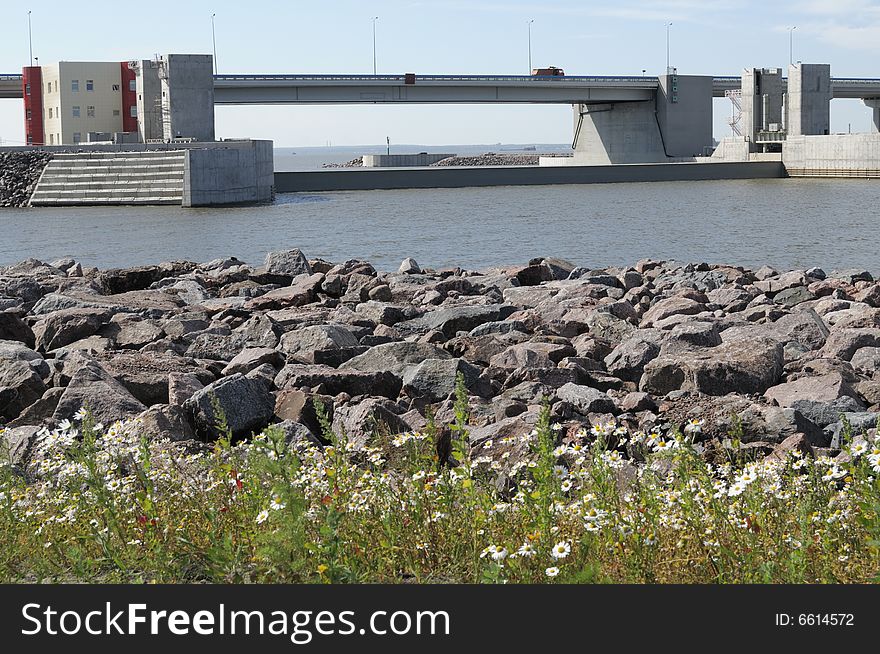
<point x="677" y="123"/>
<point x="874" y="103"/>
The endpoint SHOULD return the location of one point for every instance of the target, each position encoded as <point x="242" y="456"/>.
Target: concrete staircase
<point x="112" y="178"/>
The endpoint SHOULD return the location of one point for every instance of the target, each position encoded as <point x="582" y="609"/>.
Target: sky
<point x="584" y="37"/>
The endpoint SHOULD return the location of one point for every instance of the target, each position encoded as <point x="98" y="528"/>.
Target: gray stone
<point x="13" y="328"/>
<point x="20" y="386"/>
<point x="451" y="320"/>
<point x="354" y="382"/>
<point x="395" y="357"/>
<point x="182" y="386"/>
<point x="163" y="422"/>
<point x="246" y="404"/>
<point x="252" y="358"/>
<point x="95" y="389"/>
<point x="434" y="380"/>
<point x="17" y="444"/>
<point x="68" y="326"/>
<point x="586" y="400"/>
<point x="628" y="360"/>
<point x="287" y="262"/>
<point x="409" y="267"/>
<point x="303" y="343"/>
<point x="844" y="343"/>
<point x="670" y="307"/>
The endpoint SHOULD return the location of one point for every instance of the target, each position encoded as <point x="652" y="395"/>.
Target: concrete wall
<point x="838" y="155"/>
<point x="461" y="177"/>
<point x="874" y="103"/>
<point x="809" y="99"/>
<point x="149" y="101"/>
<point x="762" y="91"/>
<point x="619" y="133"/>
<point x="402" y="160"/>
<point x="238" y="174"/>
<point x="187" y="96"/>
<point x="684" y="110"/>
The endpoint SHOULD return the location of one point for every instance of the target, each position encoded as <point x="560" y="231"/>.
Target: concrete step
<point x="135" y="179"/>
<point x="85" y="156"/>
<point x="120" y="201"/>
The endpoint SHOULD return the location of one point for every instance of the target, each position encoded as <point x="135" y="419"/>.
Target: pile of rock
<point x="19" y="173"/>
<point x="354" y="163"/>
<point x="493" y="159"/>
<point x="778" y="359"/>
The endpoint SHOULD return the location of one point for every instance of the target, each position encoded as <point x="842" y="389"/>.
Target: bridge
<point x="453" y="89"/>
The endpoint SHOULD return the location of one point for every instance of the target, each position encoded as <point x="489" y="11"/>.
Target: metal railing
<point x="562" y="80"/>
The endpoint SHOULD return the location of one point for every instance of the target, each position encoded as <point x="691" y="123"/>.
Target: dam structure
<point x="167" y="104"/>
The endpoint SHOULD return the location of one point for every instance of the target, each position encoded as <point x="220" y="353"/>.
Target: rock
<point x="856" y="423"/>
<point x="360" y="422"/>
<point x="819" y="399"/>
<point x="637" y="402"/>
<point x="409" y="267"/>
<point x="94" y="388"/>
<point x="252" y="358"/>
<point x="306" y="343"/>
<point x="740" y="366"/>
<point x="382" y="383"/>
<point x="299" y="407"/>
<point x="131" y="332"/>
<point x="499" y="327"/>
<point x="17" y="444"/>
<point x="627" y="361"/>
<point x="182" y="386"/>
<point x="866" y="358"/>
<point x="303" y="291"/>
<point x="452" y="320"/>
<point x="20" y="386"/>
<point x="68" y="326"/>
<point x="394" y="357"/>
<point x="246" y="404"/>
<point x="843" y="343"/>
<point x="291" y="263"/>
<point x="13" y="328"/>
<point x="586" y="400"/>
<point x="670" y="307"/>
<point x="434" y="380"/>
<point x="146" y="375"/>
<point x="296" y="434"/>
<point x="383" y="313"/>
<point x="40" y="411"/>
<point x="165" y="422"/>
<point x="531" y="355"/>
<point x="793" y="296"/>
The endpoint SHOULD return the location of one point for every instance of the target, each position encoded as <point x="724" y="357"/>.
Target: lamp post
<point x="530" y="44"/>
<point x="375" y="18"/>
<point x="668" y="25"/>
<point x="30" y="39"/>
<point x="214" y="41"/>
<point x="791" y="44"/>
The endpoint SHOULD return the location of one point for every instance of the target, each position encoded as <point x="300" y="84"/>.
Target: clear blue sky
<point x="449" y="36"/>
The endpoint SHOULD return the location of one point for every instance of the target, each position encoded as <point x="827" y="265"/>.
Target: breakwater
<point x="19" y="172"/>
<point x="784" y="360"/>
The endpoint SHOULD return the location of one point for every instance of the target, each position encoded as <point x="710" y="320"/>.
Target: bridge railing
<point x="570" y="79"/>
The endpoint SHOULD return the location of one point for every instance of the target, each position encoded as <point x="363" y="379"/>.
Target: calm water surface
<point x="785" y="223"/>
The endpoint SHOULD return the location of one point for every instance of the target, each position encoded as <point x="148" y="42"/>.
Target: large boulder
<point x="331" y="381"/>
<point x="20" y="386"/>
<point x="844" y="343"/>
<point x="434" y="380"/>
<point x="739" y="366"/>
<point x="246" y="405"/>
<point x="677" y="305"/>
<point x="361" y="421"/>
<point x="165" y="422"/>
<point x="586" y="400"/>
<point x="451" y="320"/>
<point x="94" y="388"/>
<point x="628" y="360"/>
<point x="287" y="262"/>
<point x="312" y="344"/>
<point x="68" y="326"/>
<point x="145" y="375"/>
<point x="13" y="328"/>
<point x="253" y="358"/>
<point x="820" y="399"/>
<point x="394" y="357"/>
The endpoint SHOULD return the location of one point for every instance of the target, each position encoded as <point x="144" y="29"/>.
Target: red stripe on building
<point x="129" y="99"/>
<point x="32" y="90"/>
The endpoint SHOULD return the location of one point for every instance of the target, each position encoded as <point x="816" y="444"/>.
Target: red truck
<point x="550" y="71"/>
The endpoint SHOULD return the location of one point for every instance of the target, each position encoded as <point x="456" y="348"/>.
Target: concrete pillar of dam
<point x="874" y="103"/>
<point x="677" y="123"/>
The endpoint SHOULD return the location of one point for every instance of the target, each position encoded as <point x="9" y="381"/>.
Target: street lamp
<point x="375" y="18"/>
<point x="30" y="39"/>
<point x="530" y="44"/>
<point x="668" y="25"/>
<point x="791" y="44"/>
<point x="214" y="40"/>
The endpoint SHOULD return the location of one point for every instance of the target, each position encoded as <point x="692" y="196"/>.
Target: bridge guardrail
<point x="571" y="79"/>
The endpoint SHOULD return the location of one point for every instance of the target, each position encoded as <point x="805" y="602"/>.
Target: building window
<point x="27" y="89"/>
<point x="76" y="112"/>
<point x="29" y="114"/>
<point x="50" y="113"/>
<point x="30" y="140"/>
<point x="77" y="137"/>
<point x="116" y="87"/>
<point x="74" y="85"/>
<point x="132" y="85"/>
<point x="51" y="139"/>
<point x="116" y="112"/>
<point x="90" y="112"/>
<point x="134" y="111"/>
<point x="90" y="85"/>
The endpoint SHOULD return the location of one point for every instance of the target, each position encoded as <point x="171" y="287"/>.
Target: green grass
<point x="106" y="505"/>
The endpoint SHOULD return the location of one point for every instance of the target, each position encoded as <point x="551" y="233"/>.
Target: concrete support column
<point x="874" y="103"/>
